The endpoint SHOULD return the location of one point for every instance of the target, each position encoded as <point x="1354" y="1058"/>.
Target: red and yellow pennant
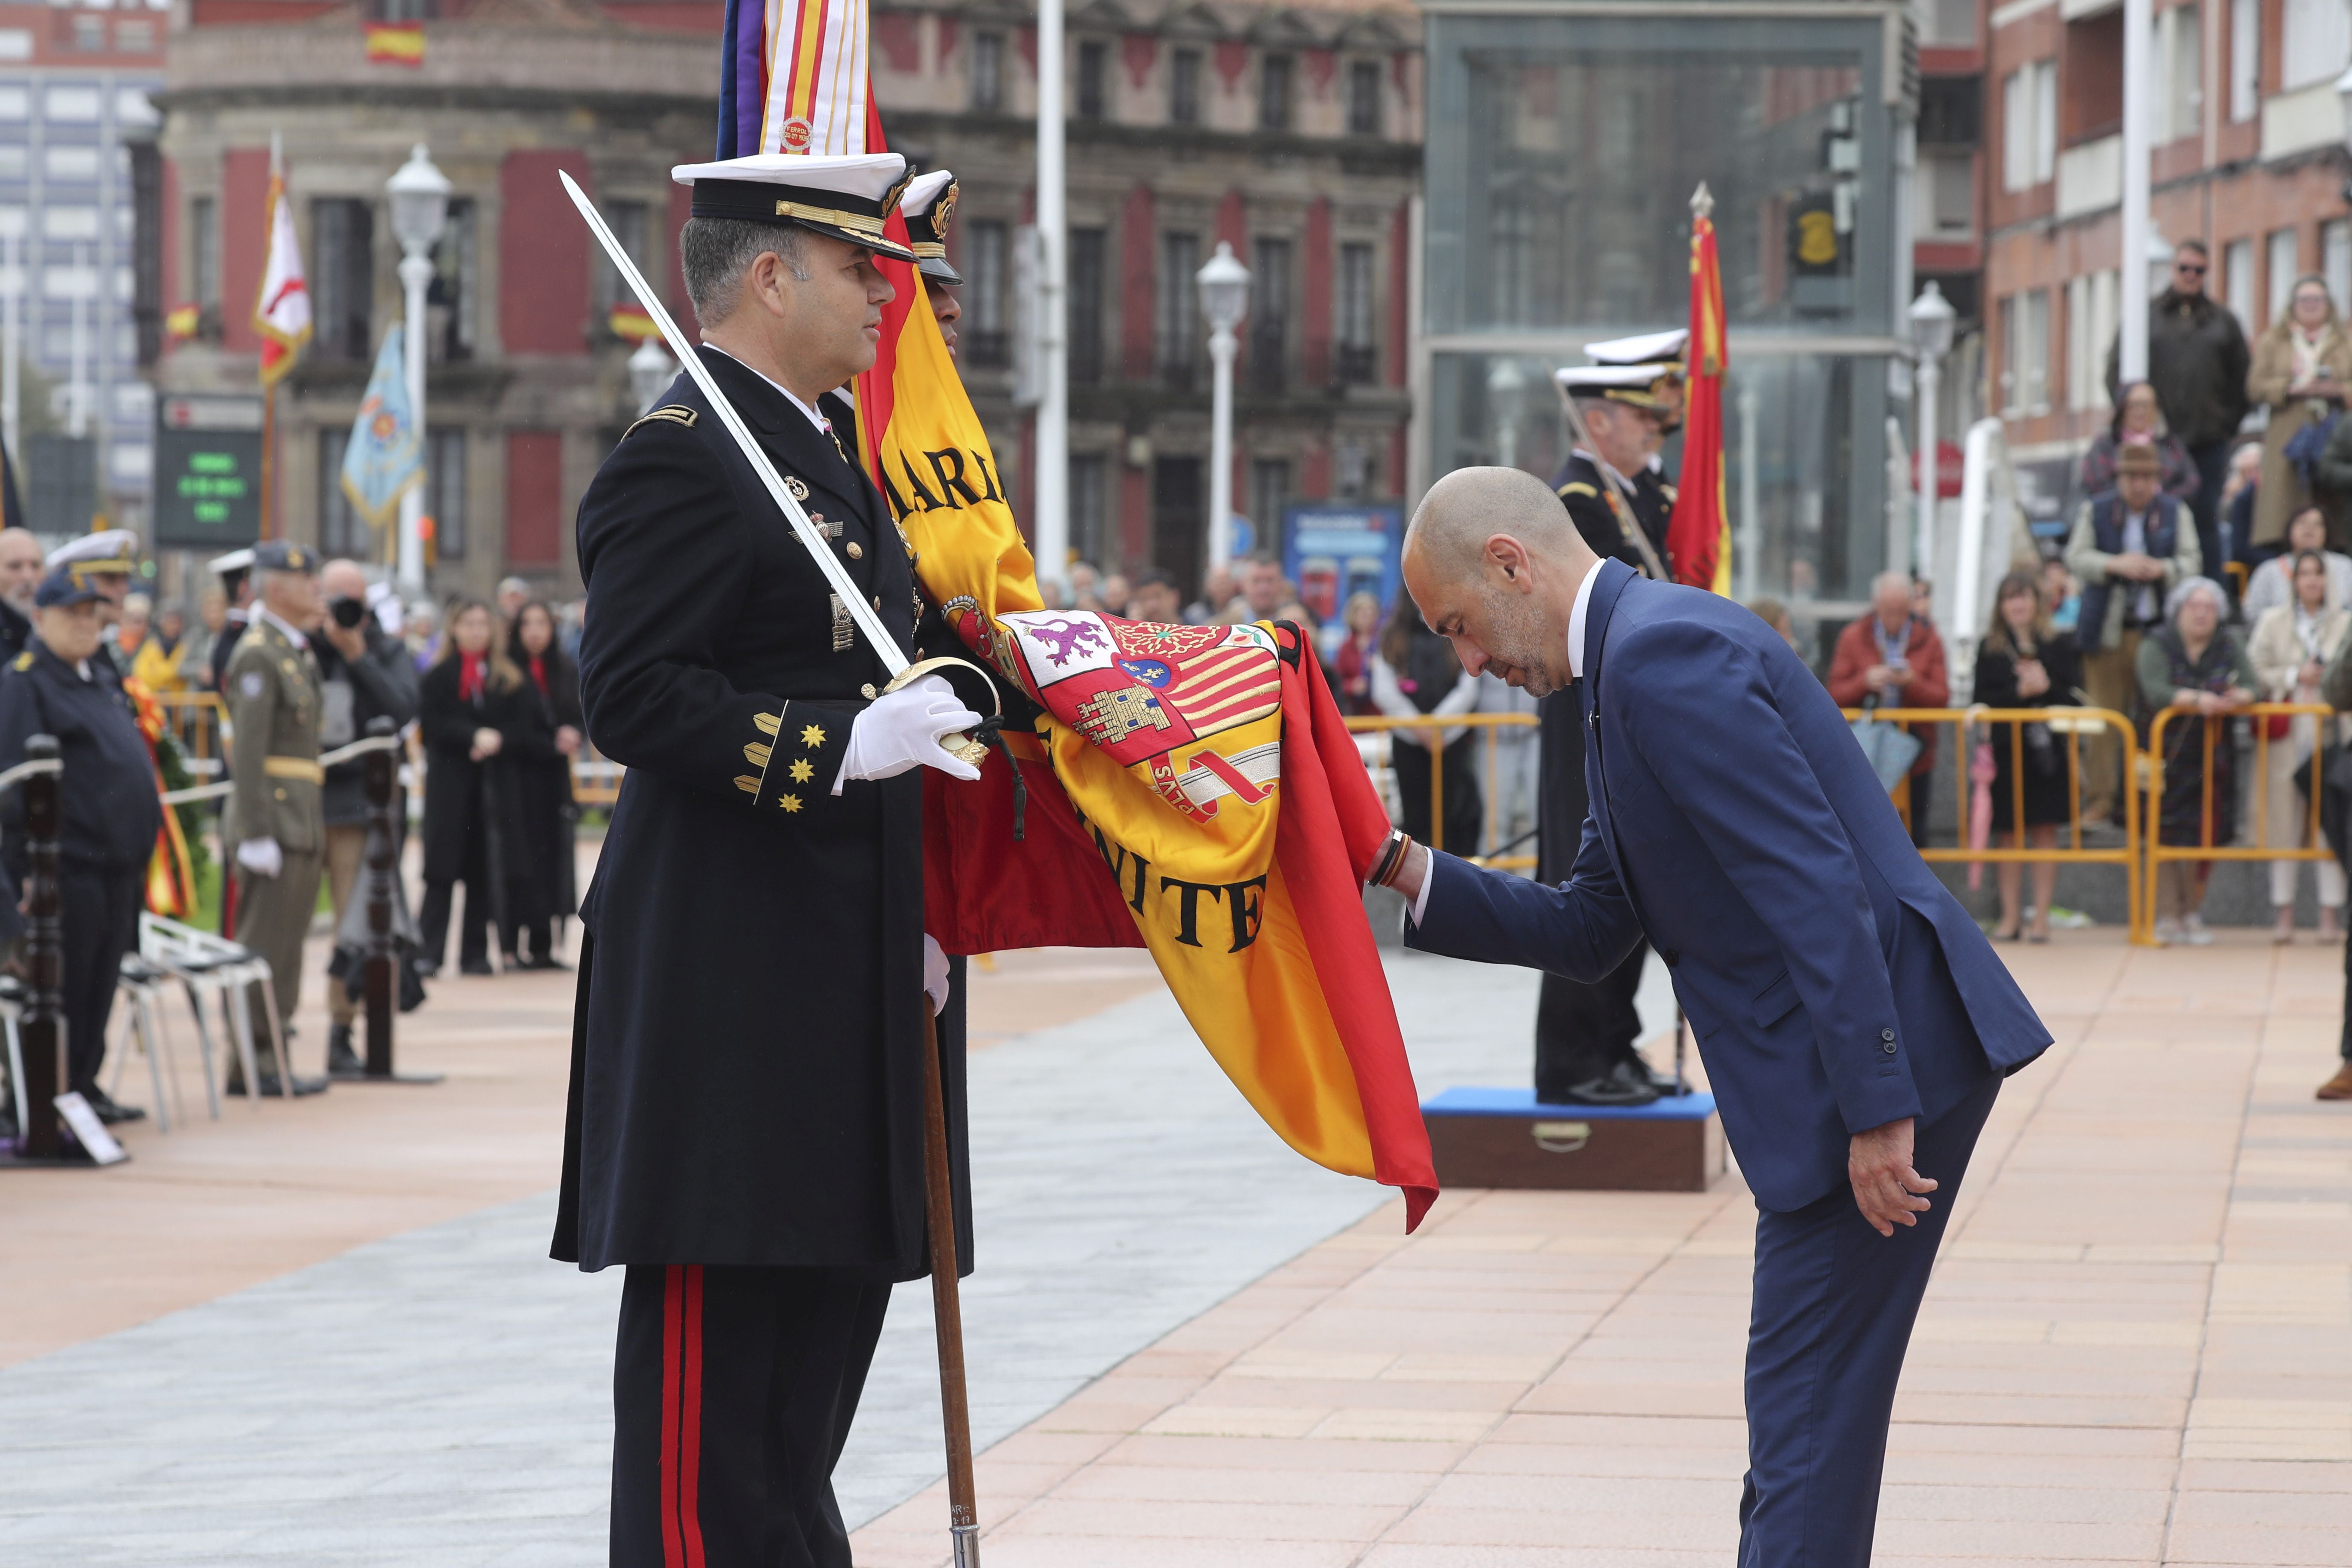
<point x="1698" y="537"/>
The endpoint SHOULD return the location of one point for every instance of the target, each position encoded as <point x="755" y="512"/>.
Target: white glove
<point x="261" y="856"/>
<point x="935" y="973"/>
<point x="901" y="730"/>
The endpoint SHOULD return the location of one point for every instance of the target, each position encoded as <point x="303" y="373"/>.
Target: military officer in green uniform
<point x="271" y="686"/>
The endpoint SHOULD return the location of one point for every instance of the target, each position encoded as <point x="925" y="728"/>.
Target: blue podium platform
<point x="1482" y="1137"/>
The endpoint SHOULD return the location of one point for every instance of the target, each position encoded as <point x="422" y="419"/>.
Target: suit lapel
<point x="1598" y="609"/>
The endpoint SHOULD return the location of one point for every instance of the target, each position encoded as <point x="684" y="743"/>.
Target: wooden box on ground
<point x="1503" y="1138"/>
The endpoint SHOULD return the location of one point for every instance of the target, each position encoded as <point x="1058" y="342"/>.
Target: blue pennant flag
<point x="383" y="457"/>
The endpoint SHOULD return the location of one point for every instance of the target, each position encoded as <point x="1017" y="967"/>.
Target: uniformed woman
<point x="112" y="811"/>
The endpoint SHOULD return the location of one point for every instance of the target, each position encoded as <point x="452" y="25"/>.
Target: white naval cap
<point x="848" y="197"/>
<point x="234" y="560"/>
<point x="1649" y="347"/>
<point x="111" y="550"/>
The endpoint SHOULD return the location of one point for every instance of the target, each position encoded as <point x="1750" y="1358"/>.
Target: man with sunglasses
<point x="2197" y="360"/>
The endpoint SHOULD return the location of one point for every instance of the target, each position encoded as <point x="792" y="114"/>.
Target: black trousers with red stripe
<point x="734" y="1390"/>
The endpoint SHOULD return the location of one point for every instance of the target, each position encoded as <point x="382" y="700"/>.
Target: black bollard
<point x="42" y="1029"/>
<point x="380" y="976"/>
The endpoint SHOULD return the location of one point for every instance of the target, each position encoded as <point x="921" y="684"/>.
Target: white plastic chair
<point x="202" y="961"/>
<point x="140" y="985"/>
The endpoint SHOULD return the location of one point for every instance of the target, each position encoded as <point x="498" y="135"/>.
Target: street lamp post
<point x="1931" y="334"/>
<point x="1224" y="300"/>
<point x="650" y="373"/>
<point x="420" y="207"/>
<point x="2138" y="128"/>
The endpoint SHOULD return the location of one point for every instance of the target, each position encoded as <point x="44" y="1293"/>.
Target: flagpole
<point x="268" y="451"/>
<point x="269" y="382"/>
<point x="1051" y="527"/>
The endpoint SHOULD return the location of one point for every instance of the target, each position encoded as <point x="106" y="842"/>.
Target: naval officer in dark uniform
<point x="112" y="811"/>
<point x="745" y="1132"/>
<point x="1586" y="1035"/>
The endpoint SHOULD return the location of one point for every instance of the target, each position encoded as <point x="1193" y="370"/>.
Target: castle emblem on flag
<point x="1114" y="713"/>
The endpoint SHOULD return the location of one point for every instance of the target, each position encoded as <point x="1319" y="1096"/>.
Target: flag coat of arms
<point x="1191" y="790"/>
<point x="382" y="460"/>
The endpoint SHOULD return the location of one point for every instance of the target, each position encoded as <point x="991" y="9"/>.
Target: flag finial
<point x="1702" y="202"/>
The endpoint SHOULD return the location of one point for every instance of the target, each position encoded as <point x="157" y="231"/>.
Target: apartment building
<point x="2250" y="157"/>
<point x="76" y="122"/>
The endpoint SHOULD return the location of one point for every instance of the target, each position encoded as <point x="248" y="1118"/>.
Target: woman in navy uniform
<point x="745" y="1129"/>
<point x="111" y="810"/>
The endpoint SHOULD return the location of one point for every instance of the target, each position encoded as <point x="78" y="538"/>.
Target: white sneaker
<point x="2193" y="932"/>
<point x="2167" y="931"/>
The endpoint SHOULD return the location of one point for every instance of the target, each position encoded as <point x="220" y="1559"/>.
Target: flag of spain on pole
<point x="1698" y="537"/>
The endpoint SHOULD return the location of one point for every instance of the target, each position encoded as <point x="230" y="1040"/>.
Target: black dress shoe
<point x="342" y="1060"/>
<point x="475" y="966"/>
<point x="111" y="1114"/>
<point x="547" y="961"/>
<point x="270" y="1089"/>
<point x="1624" y="1084"/>
<point x="426" y="968"/>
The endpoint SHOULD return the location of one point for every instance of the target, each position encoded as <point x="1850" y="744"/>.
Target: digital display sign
<point x="208" y="472"/>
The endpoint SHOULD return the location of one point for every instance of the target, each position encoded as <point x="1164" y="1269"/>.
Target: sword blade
<point x="885" y="646"/>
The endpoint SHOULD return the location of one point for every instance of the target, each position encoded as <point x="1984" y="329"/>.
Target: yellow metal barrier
<point x="2240" y="573"/>
<point x="1490" y="724"/>
<point x="595" y="780"/>
<point x="2074" y="723"/>
<point x="2158" y="852"/>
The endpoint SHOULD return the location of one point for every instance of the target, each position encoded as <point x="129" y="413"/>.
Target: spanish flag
<point x="395" y="43"/>
<point x="1698" y="537"/>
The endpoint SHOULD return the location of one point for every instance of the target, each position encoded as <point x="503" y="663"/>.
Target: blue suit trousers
<point x="1834" y="1308"/>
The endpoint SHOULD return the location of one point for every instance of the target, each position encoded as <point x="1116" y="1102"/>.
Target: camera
<point x="348" y="613"/>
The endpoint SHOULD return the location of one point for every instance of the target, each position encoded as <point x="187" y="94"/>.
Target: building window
<point x="1094" y="72"/>
<point x="1184" y="87"/>
<point x="89" y="34"/>
<point x="630" y="221"/>
<point x="342" y="280"/>
<point x="1176" y="317"/>
<point x="1946" y="203"/>
<point x="2314" y="40"/>
<point x="445" y="494"/>
<point x="1364" y="98"/>
<point x="1086" y="280"/>
<point x="1269" y="493"/>
<point x="204" y="253"/>
<point x="1269" y="314"/>
<point x="2238" y="284"/>
<point x="453" y="303"/>
<point x="2090" y="328"/>
<point x="402" y="10"/>
<point x="134" y="37"/>
<point x="2177" y="50"/>
<point x="987" y="72"/>
<point x="2282" y="252"/>
<point x="1274" y="93"/>
<point x="2025" y="376"/>
<point x="341" y="530"/>
<point x="2245" y="59"/>
<point x="146" y="232"/>
<point x="984" y="337"/>
<point x="1090" y="476"/>
<point x="2029" y="126"/>
<point x="1358" y="363"/>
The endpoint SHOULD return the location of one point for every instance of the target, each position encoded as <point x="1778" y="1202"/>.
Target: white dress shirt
<point x="1576" y="672"/>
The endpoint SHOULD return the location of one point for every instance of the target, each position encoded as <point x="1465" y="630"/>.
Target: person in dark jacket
<point x="2138" y="422"/>
<point x="2197" y="360"/>
<point x="2023" y="663"/>
<point x="364" y="675"/>
<point x="543" y="738"/>
<point x="465" y="707"/>
<point x="111" y="810"/>
<point x="20" y="578"/>
<point x="1414" y="673"/>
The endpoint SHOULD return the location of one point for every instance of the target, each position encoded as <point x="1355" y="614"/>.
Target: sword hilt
<point x="970" y="750"/>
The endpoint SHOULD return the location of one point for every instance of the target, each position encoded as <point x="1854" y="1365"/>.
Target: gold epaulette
<point x="670" y="414"/>
<point x="1576" y="488"/>
<point x="24" y="660"/>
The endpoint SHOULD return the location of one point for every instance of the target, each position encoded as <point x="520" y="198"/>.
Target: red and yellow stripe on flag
<point x="1191" y="787"/>
<point x="1698" y="537"/>
<point x="395" y="43"/>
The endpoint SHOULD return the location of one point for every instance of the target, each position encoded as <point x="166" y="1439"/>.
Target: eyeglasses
<point x="2189" y="268"/>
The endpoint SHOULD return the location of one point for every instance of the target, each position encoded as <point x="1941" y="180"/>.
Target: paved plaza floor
<point x="327" y="1332"/>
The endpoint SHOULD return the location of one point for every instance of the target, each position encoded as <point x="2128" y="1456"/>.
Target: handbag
<point x="1890" y="748"/>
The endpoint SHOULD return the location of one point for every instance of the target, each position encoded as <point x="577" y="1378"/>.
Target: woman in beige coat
<point x="2291" y="645"/>
<point x="2302" y="372"/>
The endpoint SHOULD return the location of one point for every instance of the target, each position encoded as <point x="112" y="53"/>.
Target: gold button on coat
<point x="856" y="552"/>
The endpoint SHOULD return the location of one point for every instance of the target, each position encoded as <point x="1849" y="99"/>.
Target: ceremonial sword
<point x="885" y="647"/>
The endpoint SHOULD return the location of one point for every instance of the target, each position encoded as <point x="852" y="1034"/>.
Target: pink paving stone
<point x="2041" y="1419"/>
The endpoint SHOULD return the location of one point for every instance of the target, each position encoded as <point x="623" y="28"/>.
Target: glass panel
<point x="1562" y="158"/>
<point x="1802" y="435"/>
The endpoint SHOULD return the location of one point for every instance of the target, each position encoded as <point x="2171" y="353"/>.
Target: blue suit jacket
<point x="1833" y="982"/>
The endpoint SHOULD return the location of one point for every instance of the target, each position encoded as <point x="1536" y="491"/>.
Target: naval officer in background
<point x="745" y="1127"/>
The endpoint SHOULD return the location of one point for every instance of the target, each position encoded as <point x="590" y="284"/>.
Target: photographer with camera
<point x="365" y="674"/>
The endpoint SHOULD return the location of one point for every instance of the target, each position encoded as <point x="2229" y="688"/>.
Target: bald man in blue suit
<point x="1855" y="1023"/>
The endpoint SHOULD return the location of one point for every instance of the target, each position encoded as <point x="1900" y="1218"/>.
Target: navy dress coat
<point x="1737" y="824"/>
<point x="747" y="1059"/>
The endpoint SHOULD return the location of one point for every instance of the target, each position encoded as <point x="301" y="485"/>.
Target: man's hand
<point x="567" y="740"/>
<point x="1887" y="1189"/>
<point x="1412" y="873"/>
<point x="261" y="856"/>
<point x="348" y="641"/>
<point x="935" y="973"/>
<point x="903" y="728"/>
<point x="1877" y="677"/>
<point x="487" y="743"/>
